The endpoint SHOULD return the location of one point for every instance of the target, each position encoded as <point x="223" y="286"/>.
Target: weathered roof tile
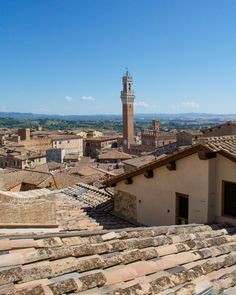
<point x="9" y="275"/>
<point x="156" y="260"/>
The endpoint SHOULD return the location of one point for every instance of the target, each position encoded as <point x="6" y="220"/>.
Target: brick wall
<point x="28" y="208"/>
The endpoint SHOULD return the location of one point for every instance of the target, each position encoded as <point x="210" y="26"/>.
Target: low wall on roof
<point x="125" y="205"/>
<point x="32" y="208"/>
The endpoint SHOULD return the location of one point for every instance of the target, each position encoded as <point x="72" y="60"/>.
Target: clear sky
<point x="68" y="56"/>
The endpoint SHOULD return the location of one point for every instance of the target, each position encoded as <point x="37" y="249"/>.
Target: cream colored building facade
<point x="82" y="133"/>
<point x="94" y="134"/>
<point x="152" y="197"/>
<point x="70" y="143"/>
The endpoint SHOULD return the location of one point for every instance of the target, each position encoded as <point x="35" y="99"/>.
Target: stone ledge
<point x="27" y="225"/>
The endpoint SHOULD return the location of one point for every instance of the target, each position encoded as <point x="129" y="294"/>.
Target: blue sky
<point x="68" y="56"/>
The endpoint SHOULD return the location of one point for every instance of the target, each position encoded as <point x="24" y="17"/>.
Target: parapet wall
<point x="125" y="205"/>
<point x="32" y="208"/>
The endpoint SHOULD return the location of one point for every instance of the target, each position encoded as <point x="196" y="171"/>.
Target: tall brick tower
<point x="127" y="97"/>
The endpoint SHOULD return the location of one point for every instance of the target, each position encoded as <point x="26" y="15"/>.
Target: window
<point x="229" y="199"/>
<point x="182" y="208"/>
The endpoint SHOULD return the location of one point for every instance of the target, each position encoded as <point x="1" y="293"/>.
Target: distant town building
<point x="89" y="133"/>
<point x="81" y="133"/>
<point x="33" y="143"/>
<point x="55" y="155"/>
<point x="70" y="143"/>
<point x="94" y="134"/>
<point x="20" y="158"/>
<point x="94" y="146"/>
<point x="24" y="134"/>
<point x="153" y="138"/>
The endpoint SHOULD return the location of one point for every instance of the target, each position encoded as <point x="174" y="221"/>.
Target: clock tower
<point x="127" y="97"/>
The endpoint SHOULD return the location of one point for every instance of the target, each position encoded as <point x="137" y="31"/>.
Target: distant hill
<point x="180" y="116"/>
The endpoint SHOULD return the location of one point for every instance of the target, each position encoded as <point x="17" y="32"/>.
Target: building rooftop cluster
<point x="76" y="238"/>
<point x="91" y="212"/>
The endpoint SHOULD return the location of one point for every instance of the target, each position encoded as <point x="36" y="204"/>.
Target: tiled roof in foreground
<point x="85" y="207"/>
<point x="157" y="260"/>
<point x="225" y="144"/>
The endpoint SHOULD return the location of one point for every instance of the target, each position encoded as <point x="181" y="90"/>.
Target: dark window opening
<point x="181" y="208"/>
<point x="229" y="199"/>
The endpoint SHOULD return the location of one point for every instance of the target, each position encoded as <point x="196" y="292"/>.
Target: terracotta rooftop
<point x="190" y="259"/>
<point x="20" y="153"/>
<point x="74" y="156"/>
<point x="102" y="138"/>
<point x="64" y="179"/>
<point x="85" y="170"/>
<point x="140" y="161"/>
<point x="93" y="205"/>
<point x="94" y="252"/>
<point x="228" y="123"/>
<point x="225" y="144"/>
<point x="12" y="178"/>
<point x="114" y="154"/>
<point x="47" y="167"/>
<point x="58" y="180"/>
<point x="85" y="160"/>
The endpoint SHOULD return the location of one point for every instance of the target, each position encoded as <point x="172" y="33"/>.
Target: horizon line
<point x="117" y="114"/>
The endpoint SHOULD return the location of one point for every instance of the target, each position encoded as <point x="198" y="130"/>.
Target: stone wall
<point x="38" y="144"/>
<point x="33" y="208"/>
<point x="125" y="205"/>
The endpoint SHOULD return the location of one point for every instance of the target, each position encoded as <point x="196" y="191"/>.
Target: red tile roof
<point x="114" y="155"/>
<point x="158" y="260"/>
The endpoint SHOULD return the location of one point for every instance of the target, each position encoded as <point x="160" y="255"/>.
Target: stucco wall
<point x="156" y="197"/>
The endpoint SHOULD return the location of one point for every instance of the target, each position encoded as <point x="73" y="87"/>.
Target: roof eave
<point x="158" y="163"/>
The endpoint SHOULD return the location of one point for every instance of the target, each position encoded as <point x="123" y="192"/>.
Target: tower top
<point x="127" y="94"/>
<point x="127" y="73"/>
